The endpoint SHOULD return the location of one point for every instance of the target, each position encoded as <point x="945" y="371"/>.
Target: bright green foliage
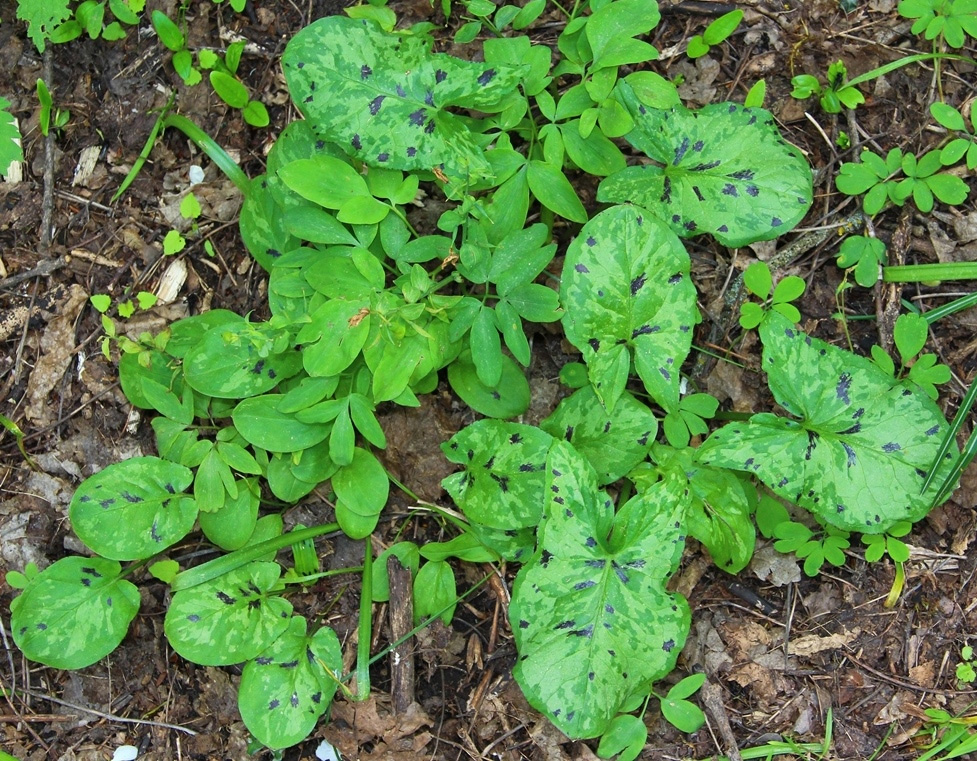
<point x="759" y="280"/>
<point x="877" y="545"/>
<point x="133" y="509"/>
<point x="683" y="714"/>
<point x="866" y="255"/>
<point x="953" y="20"/>
<point x="383" y="97"/>
<point x="717" y="31"/>
<point x="725" y="170"/>
<point x="626" y="291"/>
<point x="959" y="147"/>
<point x="613" y="442"/>
<point x="856" y="455"/>
<point x="624" y="739"/>
<point x="689" y="419"/>
<point x="42" y="16"/>
<point x="502" y="486"/>
<point x="965" y="669"/>
<point x="508" y="398"/>
<point x="593" y="623"/>
<point x="361" y="489"/>
<point x="836" y="94"/>
<point x="718" y="503"/>
<point x="434" y="592"/>
<point x="10" y="149"/>
<point x="815" y="548"/>
<point x="910" y="334"/>
<point x="876" y="178"/>
<point x="75" y="612"/>
<point x="287" y="688"/>
<point x="231" y="619"/>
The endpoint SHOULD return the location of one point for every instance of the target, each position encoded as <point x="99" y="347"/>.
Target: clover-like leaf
<point x="383" y="96"/>
<point x="593" y="623"/>
<point x="230" y="619"/>
<point x="503" y="481"/>
<point x="134" y="508"/>
<point x="856" y="456"/>
<point x="723" y="170"/>
<point x="287" y="688"/>
<point x="74" y="613"/>
<point x="626" y="289"/>
<point x="613" y="442"/>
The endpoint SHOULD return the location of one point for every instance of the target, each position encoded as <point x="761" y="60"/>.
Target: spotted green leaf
<point x="286" y="689"/>
<point x="384" y="96"/>
<point x="626" y="291"/>
<point x="133" y="509"/>
<point x="593" y="623"/>
<point x="718" y="511"/>
<point x="233" y="361"/>
<point x="723" y="170"/>
<point x="74" y="613"/>
<point x="230" y="619"/>
<point x="856" y="455"/>
<point x="613" y="442"/>
<point x="502" y="486"/>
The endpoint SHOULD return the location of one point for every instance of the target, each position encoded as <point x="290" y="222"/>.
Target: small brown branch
<point x="401" y="612"/>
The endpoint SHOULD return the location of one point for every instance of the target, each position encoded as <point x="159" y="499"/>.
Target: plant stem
<point x="366" y="624"/>
<point x="209" y="146"/>
<point x="226" y="563"/>
<point x="927" y="273"/>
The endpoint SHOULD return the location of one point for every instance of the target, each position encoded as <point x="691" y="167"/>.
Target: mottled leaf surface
<point x="502" y="485"/>
<point x="717" y="511"/>
<point x="383" y="96"/>
<point x="626" y="291"/>
<point x="238" y="360"/>
<point x="857" y="451"/>
<point x="229" y="620"/>
<point x="133" y="509"/>
<point x="613" y="442"/>
<point x="74" y="613"/>
<point x="285" y="690"/>
<point x="593" y="623"/>
<point x="723" y="170"/>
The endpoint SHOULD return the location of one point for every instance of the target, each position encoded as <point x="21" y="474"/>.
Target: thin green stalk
<point x="929" y="273"/>
<point x="217" y="567"/>
<point x="965" y="457"/>
<point x="209" y="146"/>
<point x="366" y="625"/>
<point x="305" y="579"/>
<point x="146" y="149"/>
<point x="957" y="305"/>
<point x="898" y="64"/>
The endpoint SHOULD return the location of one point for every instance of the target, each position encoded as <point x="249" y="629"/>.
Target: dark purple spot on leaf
<point x="933" y="431"/>
<point x="429" y="98"/>
<point x="599" y="563"/>
<point x="591" y="542"/>
<point x="131" y="498"/>
<point x="690" y="226"/>
<point x="365" y="71"/>
<point x="375" y="104"/>
<point x="400" y="91"/>
<point x="289" y="664"/>
<point x="752" y="190"/>
<point x="591" y="241"/>
<point x="429" y="127"/>
<point x="440" y="76"/>
<point x="588" y="632"/>
<point x="565" y="625"/>
<point x="729" y="189"/>
<point x="844" y="386"/>
<point x="594" y="344"/>
<point x="273" y="705"/>
<point x="411" y="152"/>
<point x="523" y="624"/>
<point x="487" y="76"/>
<point x="263" y="660"/>
<point x="891" y="447"/>
<point x="665" y="374"/>
<point x="417" y="117"/>
<point x="381" y="157"/>
<point x="355" y="142"/>
<point x="851" y="454"/>
<point x="776" y="222"/>
<point x="638" y="283"/>
<point x="225" y="598"/>
<point x="41" y="627"/>
<point x="666" y="196"/>
<point x="681" y="149"/>
<point x="585" y="584"/>
<point x="582" y="268"/>
<point x="590" y="676"/>
<point x="698" y="193"/>
<point x="668" y="645"/>
<point x="704" y="166"/>
<point x="258" y="367"/>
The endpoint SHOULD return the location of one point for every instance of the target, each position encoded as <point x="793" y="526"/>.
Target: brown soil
<point x="814" y="646"/>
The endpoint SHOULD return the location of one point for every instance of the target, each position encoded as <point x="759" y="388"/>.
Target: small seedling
<point x="717" y="32"/>
<point x="837" y="93"/>
<point x="815" y="547"/>
<point x="60" y="118"/>
<point x="949" y="20"/>
<point x="866" y="255"/>
<point x="966" y="674"/>
<point x="958" y="147"/>
<point x="758" y="280"/>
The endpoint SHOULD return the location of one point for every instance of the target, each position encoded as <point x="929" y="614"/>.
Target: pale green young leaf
<point x="507" y="399"/>
<point x="263" y="425"/>
<point x="624" y="739"/>
<point x="231" y="526"/>
<point x="362" y="489"/>
<point x="435" y="592"/>
<point x="74" y="613"/>
<point x="552" y="189"/>
<point x="42" y="16"/>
